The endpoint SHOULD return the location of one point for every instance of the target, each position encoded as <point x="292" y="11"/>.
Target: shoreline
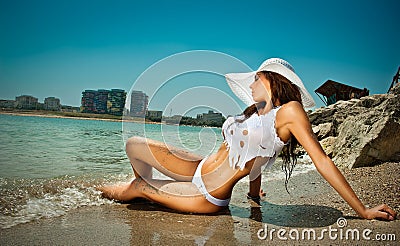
<point x="50" y="114"/>
<point x="311" y="205"/>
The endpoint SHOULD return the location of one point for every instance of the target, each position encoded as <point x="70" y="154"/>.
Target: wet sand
<point x="311" y="206"/>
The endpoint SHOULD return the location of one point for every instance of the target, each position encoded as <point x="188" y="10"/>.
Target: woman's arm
<point x="255" y="191"/>
<point x="254" y="187"/>
<point x="296" y="122"/>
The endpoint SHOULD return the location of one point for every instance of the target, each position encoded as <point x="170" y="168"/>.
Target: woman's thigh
<point x="176" y="163"/>
<point x="181" y="196"/>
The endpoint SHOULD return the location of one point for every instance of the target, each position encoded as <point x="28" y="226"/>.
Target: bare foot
<point x="124" y="192"/>
<point x="107" y="191"/>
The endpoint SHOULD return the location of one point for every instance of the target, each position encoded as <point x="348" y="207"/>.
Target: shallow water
<point x="50" y="166"/>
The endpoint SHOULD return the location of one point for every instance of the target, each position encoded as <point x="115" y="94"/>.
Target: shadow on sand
<point x="279" y="215"/>
<point x="289" y="215"/>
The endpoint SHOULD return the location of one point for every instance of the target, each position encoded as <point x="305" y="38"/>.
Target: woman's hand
<point x="380" y="212"/>
<point x="256" y="199"/>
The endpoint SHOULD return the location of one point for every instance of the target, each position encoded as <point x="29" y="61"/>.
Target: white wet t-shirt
<point x="255" y="136"/>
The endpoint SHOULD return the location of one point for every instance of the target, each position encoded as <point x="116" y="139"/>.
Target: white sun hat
<point x="240" y="82"/>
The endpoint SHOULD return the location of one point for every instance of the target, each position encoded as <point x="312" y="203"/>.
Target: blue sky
<point x="60" y="48"/>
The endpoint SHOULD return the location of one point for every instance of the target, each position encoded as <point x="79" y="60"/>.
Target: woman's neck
<point x="264" y="110"/>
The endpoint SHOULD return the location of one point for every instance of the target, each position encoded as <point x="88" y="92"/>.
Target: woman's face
<point x="260" y="88"/>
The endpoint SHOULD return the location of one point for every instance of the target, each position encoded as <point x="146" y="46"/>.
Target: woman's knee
<point x="133" y="142"/>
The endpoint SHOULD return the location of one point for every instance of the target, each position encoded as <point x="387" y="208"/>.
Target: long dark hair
<point x="283" y="91"/>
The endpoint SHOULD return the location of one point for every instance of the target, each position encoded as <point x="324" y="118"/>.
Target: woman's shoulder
<point x="292" y="106"/>
<point x="291" y="110"/>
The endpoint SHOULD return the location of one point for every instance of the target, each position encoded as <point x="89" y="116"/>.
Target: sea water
<point x="51" y="166"/>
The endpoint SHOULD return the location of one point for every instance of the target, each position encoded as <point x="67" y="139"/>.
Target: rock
<point x="362" y="142"/>
<point x="371" y="101"/>
<point x="360" y="132"/>
<point x="328" y="145"/>
<point x="324" y="130"/>
<point x="321" y="115"/>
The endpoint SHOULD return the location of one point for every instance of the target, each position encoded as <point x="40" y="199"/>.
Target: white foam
<point x="53" y="205"/>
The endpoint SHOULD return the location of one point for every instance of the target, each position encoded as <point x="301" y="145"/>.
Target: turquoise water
<point x="50" y="166"/>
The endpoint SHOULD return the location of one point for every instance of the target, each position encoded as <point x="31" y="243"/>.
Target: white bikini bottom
<point x="202" y="188"/>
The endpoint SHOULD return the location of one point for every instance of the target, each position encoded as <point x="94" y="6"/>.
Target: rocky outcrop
<point x="360" y="132"/>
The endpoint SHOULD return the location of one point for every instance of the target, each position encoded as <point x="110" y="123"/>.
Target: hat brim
<point x="240" y="83"/>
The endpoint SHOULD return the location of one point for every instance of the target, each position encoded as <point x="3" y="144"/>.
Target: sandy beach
<point x="49" y="114"/>
<point x="311" y="206"/>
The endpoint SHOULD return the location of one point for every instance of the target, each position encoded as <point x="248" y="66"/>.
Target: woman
<point x="275" y="122"/>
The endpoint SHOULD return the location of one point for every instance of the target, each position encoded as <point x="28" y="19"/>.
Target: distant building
<point x="211" y="118"/>
<point x="173" y="120"/>
<point x="52" y="103"/>
<point x="67" y="108"/>
<point x="26" y="102"/>
<point x="100" y="101"/>
<point x="87" y="102"/>
<point x="103" y="101"/>
<point x="154" y="115"/>
<point x="7" y="103"/>
<point x="333" y="91"/>
<point x="139" y="101"/>
<point x="116" y="101"/>
<point x="40" y="106"/>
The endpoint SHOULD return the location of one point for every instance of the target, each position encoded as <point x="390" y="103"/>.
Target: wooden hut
<point x="331" y="91"/>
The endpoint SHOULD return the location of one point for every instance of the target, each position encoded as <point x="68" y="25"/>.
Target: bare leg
<point x="141" y="169"/>
<point x="146" y="153"/>
<point x="181" y="196"/>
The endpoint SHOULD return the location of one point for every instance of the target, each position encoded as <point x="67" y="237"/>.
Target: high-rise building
<point x="26" y="102"/>
<point x="52" y="103"/>
<point x="116" y="101"/>
<point x="100" y="101"/>
<point x="87" y="103"/>
<point x="103" y="101"/>
<point x="139" y="101"/>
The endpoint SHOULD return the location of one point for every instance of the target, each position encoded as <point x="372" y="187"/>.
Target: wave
<point x="27" y="200"/>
